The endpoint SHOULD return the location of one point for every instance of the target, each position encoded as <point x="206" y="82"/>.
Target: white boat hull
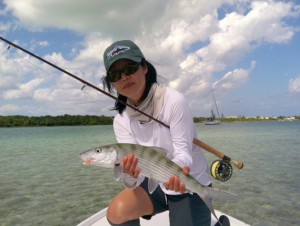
<point x="212" y="123"/>
<point x="99" y="219"/>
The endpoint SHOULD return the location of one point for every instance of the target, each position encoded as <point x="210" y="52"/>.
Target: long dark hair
<point x="151" y="78"/>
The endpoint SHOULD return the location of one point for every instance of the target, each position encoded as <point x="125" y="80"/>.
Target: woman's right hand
<point x="130" y="165"/>
<point x="174" y="183"/>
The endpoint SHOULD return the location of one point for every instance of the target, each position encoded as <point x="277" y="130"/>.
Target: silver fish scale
<point x="156" y="165"/>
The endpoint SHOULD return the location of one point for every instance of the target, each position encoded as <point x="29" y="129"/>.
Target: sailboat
<point x="212" y="120"/>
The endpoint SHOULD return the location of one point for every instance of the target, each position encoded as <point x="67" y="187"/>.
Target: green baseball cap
<point x="124" y="49"/>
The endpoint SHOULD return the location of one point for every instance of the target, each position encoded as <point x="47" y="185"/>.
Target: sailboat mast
<point x="216" y="104"/>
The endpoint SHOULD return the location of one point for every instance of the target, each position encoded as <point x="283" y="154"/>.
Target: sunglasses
<point x="128" y="69"/>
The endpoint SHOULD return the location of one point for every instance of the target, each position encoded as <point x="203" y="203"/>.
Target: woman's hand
<point x="174" y="183"/>
<point x="130" y="165"/>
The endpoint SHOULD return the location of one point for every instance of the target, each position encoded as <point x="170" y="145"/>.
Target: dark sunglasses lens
<point x="114" y="76"/>
<point x="130" y="69"/>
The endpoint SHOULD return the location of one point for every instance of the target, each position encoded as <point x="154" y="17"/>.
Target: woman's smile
<point x="128" y="85"/>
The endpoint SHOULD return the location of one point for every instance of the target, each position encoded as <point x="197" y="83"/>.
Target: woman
<point x="135" y="80"/>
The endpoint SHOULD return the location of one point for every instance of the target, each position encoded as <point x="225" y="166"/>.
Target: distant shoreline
<point x="88" y="120"/>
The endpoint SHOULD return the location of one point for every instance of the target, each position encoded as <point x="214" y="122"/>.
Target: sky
<point x="245" y="53"/>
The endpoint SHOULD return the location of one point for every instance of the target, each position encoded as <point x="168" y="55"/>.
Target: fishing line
<point x="5" y="50"/>
<point x="26" y="60"/>
<point x="85" y="91"/>
<point x="83" y="87"/>
<point x="198" y="142"/>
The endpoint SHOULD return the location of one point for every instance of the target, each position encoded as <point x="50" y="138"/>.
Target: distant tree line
<point x="61" y="120"/>
<point x="77" y="120"/>
<point x="245" y="119"/>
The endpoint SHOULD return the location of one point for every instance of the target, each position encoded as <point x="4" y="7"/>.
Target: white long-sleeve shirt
<point x="176" y="140"/>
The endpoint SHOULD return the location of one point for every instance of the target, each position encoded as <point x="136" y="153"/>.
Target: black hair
<point x="151" y="78"/>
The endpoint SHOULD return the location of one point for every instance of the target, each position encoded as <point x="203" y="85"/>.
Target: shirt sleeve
<point x="122" y="130"/>
<point x="182" y="130"/>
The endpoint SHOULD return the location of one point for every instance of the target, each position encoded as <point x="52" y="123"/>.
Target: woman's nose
<point x="124" y="76"/>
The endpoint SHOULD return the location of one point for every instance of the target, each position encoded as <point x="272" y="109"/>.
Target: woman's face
<point x="132" y="86"/>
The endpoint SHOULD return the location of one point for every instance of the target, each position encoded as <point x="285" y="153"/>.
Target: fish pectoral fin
<point x="152" y="185"/>
<point x="189" y="192"/>
<point x="206" y="199"/>
<point x="208" y="194"/>
<point x="118" y="171"/>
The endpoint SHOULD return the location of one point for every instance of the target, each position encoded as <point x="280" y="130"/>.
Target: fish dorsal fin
<point x="118" y="171"/>
<point x="152" y="185"/>
<point x="160" y="150"/>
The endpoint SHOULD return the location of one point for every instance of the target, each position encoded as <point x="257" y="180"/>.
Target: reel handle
<point x="221" y="155"/>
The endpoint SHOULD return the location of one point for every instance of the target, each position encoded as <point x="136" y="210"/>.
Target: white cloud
<point x="240" y="33"/>
<point x="294" y="85"/>
<point x="106" y="16"/>
<point x="189" y="42"/>
<point x="43" y="43"/>
<point x="93" y="47"/>
<point x="184" y="33"/>
<point x="13" y="67"/>
<point x="236" y="35"/>
<point x="233" y="79"/>
<point x="8" y="109"/>
<point x="4" y="26"/>
<point x="24" y="90"/>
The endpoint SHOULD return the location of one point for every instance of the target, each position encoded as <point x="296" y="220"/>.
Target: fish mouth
<point x="86" y="160"/>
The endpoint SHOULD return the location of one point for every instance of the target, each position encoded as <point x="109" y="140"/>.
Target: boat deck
<point x="99" y="219"/>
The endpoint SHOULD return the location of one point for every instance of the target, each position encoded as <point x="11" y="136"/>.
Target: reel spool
<point x="221" y="170"/>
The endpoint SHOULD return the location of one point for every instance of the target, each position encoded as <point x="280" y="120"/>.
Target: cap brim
<point x="133" y="58"/>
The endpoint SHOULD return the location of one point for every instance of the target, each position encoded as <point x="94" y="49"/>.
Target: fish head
<point x="105" y="156"/>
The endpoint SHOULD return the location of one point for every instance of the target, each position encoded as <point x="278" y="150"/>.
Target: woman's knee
<point x="117" y="215"/>
<point x="116" y="212"/>
<point x="129" y="205"/>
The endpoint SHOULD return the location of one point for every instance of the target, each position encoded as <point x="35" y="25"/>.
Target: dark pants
<point x="185" y="209"/>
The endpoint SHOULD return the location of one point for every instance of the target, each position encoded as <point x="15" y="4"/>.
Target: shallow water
<point x="43" y="182"/>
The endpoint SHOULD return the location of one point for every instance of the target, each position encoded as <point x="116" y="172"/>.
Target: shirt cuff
<point x="131" y="182"/>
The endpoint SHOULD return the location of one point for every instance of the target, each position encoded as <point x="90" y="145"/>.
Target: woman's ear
<point x="145" y="68"/>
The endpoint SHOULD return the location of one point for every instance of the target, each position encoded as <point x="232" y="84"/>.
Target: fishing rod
<point x="219" y="169"/>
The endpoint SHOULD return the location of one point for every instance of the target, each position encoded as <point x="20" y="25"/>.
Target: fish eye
<point x="98" y="150"/>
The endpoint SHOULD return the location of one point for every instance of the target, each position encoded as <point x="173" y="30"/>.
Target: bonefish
<point x="153" y="164"/>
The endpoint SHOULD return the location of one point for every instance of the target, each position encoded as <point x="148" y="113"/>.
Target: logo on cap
<point x="116" y="50"/>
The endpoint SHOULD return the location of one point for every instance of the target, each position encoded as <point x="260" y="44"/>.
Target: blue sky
<point x="248" y="52"/>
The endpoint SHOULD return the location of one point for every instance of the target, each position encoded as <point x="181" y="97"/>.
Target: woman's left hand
<point x="130" y="165"/>
<point x="174" y="183"/>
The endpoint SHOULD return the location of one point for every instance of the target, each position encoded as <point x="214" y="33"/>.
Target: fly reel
<point x="221" y="170"/>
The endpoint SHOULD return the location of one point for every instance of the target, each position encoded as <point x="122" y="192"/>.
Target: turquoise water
<point x="43" y="182"/>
